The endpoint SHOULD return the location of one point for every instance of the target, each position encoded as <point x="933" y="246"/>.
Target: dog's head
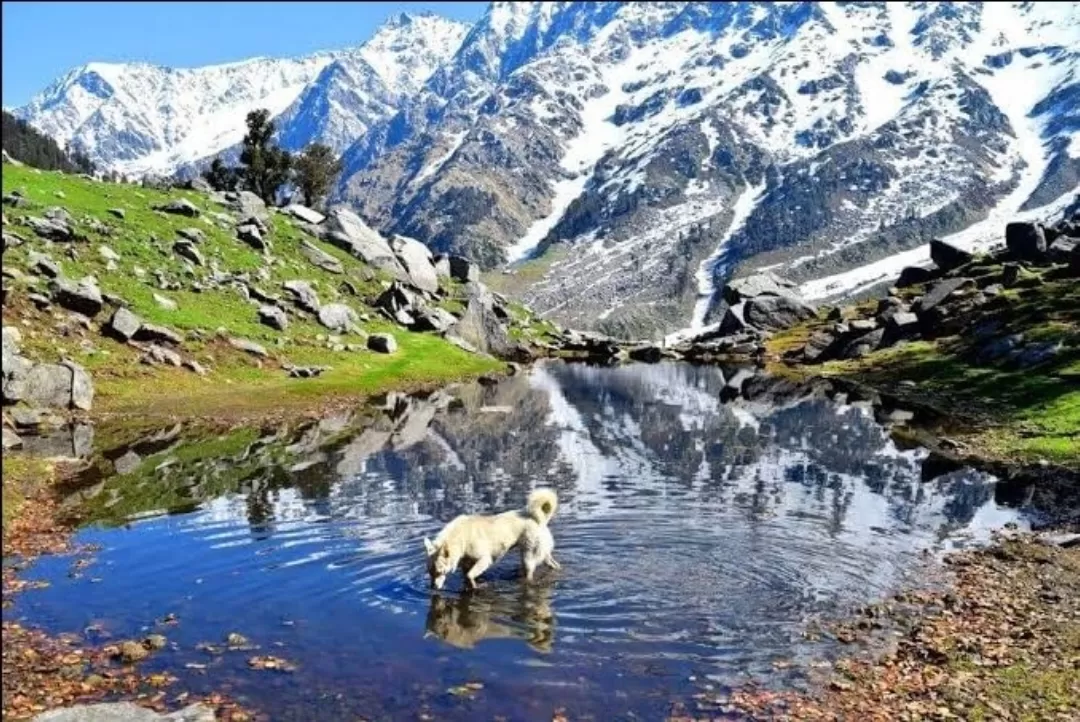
<point x="439" y="564"/>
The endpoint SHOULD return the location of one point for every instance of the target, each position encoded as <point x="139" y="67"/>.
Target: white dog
<point x="474" y="542"/>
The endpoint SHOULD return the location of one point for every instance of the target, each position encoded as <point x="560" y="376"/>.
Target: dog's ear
<point x="428" y="546"/>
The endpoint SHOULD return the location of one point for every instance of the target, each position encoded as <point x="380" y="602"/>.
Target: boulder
<point x="305" y="214"/>
<point x="464" y="270"/>
<point x="62" y="386"/>
<point x="1063" y="249"/>
<point x="433" y="319"/>
<point x="53" y="230"/>
<point x="10" y="240"/>
<point x="242" y="344"/>
<point x="344" y="229"/>
<point x="187" y="250"/>
<point x="124" y="324"/>
<point x="1026" y="241"/>
<point x="418" y="263"/>
<point x="260" y="295"/>
<point x="82" y="297"/>
<point x="479" y="326"/>
<point x="191" y="234"/>
<point x="775" y="313"/>
<point x="939" y="292"/>
<point x="248" y="205"/>
<point x="320" y="258"/>
<point x="306" y="372"/>
<point x="180" y="207"/>
<point x="160" y="355"/>
<point x="15" y="367"/>
<point x="303" y="295"/>
<point x="758" y="284"/>
<point x="11" y="439"/>
<point x="947" y="257"/>
<point x="817" y="345"/>
<point x="157" y="334"/>
<point x="252" y="236"/>
<point x="863" y="325"/>
<point x="199" y="184"/>
<point x="733" y="320"/>
<point x="382" y="343"/>
<point x="43" y="265"/>
<point x="337" y="317"/>
<point x="397" y="297"/>
<point x="900" y="325"/>
<point x="273" y="317"/>
<point x="863" y="344"/>
<point x="108" y="254"/>
<point x="913" y="276"/>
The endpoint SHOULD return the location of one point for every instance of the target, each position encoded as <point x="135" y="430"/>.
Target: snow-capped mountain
<point x="369" y="84"/>
<point x="139" y="118"/>
<point x="636" y="154"/>
<point x="644" y="150"/>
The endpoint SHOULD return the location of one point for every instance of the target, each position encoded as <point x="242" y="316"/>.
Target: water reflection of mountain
<point x="602" y="436"/>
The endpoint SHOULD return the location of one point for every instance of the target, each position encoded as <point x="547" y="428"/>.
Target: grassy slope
<point x="144" y="238"/>
<point x="1017" y="414"/>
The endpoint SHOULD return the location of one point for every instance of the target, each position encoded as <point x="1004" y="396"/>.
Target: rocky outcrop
<point x="80" y="296"/>
<point x="382" y="343"/>
<point x="180" y="207"/>
<point x="344" y="229"/>
<point x="948" y="300"/>
<point x="482" y="326"/>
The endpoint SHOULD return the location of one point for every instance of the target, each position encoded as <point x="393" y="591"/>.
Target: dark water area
<point x="697" y="537"/>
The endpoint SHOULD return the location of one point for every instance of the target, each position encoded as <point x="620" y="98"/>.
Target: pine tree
<point x="221" y="177"/>
<point x="316" y="169"/>
<point x="266" y="166"/>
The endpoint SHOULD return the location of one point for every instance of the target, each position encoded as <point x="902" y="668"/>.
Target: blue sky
<point x="43" y="40"/>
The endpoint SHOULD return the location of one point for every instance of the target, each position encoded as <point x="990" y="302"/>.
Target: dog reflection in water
<point x="489" y="613"/>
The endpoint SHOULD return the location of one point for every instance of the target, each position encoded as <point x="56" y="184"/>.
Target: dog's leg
<point x="479" y="567"/>
<point x="530" y="562"/>
<point x="550" y="561"/>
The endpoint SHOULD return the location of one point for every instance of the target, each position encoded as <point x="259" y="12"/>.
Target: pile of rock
<point x="958" y="295"/>
<point x="31" y="390"/>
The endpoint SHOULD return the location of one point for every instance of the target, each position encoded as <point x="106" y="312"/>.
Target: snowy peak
<point x="138" y="117"/>
<point x="367" y="85"/>
<point x="406" y="49"/>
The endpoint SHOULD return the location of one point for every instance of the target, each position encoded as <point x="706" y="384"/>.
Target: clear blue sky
<point x="43" y="40"/>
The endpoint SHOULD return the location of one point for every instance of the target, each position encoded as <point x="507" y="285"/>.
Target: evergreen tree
<point x="316" y="169"/>
<point x="222" y="177"/>
<point x="266" y="167"/>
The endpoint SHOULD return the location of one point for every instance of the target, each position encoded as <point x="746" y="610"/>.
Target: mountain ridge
<point x="639" y="154"/>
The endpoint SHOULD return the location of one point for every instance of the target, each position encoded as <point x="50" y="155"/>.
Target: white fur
<point x="474" y="542"/>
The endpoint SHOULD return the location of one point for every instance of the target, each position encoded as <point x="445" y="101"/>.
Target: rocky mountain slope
<point x="139" y="118"/>
<point x="138" y="296"/>
<point x="635" y="155"/>
<point x="662" y="146"/>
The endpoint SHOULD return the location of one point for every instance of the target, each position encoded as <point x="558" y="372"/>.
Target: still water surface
<point x="696" y="538"/>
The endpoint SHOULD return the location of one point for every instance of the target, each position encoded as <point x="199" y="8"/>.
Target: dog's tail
<point x="541" y="505"/>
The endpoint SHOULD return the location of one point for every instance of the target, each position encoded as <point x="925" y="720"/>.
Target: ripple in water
<point x="696" y="538"/>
